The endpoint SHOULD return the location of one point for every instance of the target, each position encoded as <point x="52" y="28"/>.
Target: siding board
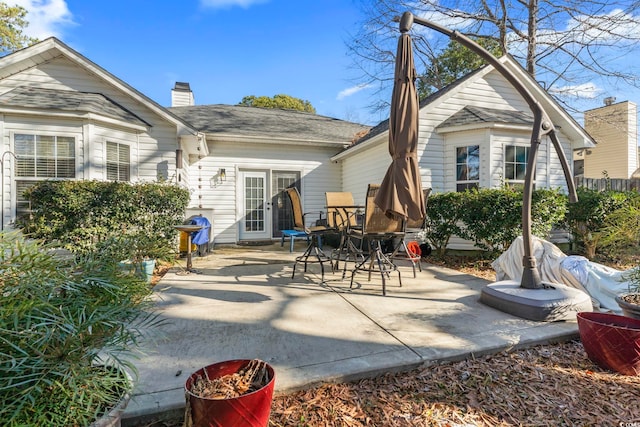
<point x="318" y="175"/>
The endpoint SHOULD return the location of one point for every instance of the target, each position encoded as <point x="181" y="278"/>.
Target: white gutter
<point x="382" y="137"/>
<point x="489" y="125"/>
<point x="220" y="137"/>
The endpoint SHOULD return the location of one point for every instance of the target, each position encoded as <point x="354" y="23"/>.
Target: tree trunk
<point x="532" y="28"/>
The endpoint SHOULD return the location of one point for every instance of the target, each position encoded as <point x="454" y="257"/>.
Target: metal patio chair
<point x="313" y="253"/>
<point x="342" y="214"/>
<point x="377" y="227"/>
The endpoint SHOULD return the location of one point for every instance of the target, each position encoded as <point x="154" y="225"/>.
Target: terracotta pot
<point x="628" y="309"/>
<point x="249" y="410"/>
<point x="611" y="341"/>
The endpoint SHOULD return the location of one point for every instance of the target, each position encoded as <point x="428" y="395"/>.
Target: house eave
<point x="194" y="144"/>
<point x="51" y="48"/>
<point x="478" y="126"/>
<point x="382" y="137"/>
<point x="557" y="114"/>
<point x="235" y="138"/>
<point x="92" y="117"/>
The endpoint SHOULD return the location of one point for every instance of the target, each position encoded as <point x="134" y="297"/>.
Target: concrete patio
<point x="243" y="304"/>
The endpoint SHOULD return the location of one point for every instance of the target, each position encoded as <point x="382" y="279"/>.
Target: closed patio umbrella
<point x="400" y="194"/>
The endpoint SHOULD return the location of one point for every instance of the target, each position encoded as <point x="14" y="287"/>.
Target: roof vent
<point x="609" y="100"/>
<point x="181" y="95"/>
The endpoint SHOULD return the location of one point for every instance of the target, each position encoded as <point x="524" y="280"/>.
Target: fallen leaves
<point x="543" y="386"/>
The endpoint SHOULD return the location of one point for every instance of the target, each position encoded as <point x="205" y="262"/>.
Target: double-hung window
<point x="41" y="157"/>
<point x="515" y="164"/>
<point x="467" y="167"/>
<point x="45" y="156"/>
<point x="118" y="162"/>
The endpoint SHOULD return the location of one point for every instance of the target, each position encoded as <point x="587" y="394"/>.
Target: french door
<point x="265" y="207"/>
<point x="256" y="219"/>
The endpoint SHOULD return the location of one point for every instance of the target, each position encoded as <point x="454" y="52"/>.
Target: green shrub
<point x="620" y="233"/>
<point x="68" y="326"/>
<point x="588" y="216"/>
<point x="548" y="209"/>
<point x="76" y="215"/>
<point x="491" y="218"/>
<point x="443" y="214"/>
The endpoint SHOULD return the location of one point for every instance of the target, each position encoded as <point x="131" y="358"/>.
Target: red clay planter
<point x="247" y="410"/>
<point x="611" y="341"/>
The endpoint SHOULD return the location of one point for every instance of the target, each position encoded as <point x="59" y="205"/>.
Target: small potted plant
<point x="67" y="328"/>
<point x="137" y="251"/>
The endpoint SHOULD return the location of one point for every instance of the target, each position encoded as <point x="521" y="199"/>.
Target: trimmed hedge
<point x="76" y="215"/>
<point x="491" y="218"/>
<point x="443" y="216"/>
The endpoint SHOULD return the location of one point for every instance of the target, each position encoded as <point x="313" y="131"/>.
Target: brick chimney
<point x="181" y="95"/>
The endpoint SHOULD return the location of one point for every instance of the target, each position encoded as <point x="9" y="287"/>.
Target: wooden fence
<point x="600" y="184"/>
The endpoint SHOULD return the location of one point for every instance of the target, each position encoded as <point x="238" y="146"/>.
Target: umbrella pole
<point x="561" y="305"/>
<point x="542" y="125"/>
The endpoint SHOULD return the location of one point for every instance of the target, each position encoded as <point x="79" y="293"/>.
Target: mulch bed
<point x="541" y="386"/>
<point x="549" y="385"/>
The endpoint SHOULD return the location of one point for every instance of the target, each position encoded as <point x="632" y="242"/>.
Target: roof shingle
<point x="268" y="122"/>
<point x="68" y="100"/>
<point x="474" y="115"/>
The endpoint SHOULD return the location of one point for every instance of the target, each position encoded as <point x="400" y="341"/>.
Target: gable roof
<point x="70" y="101"/>
<point x="556" y="113"/>
<point x="383" y="126"/>
<point x="269" y="124"/>
<point x="474" y="116"/>
<point x="52" y="48"/>
<point x="231" y="122"/>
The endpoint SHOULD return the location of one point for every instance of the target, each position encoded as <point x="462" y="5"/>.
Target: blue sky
<point x="228" y="49"/>
<point x="225" y="49"/>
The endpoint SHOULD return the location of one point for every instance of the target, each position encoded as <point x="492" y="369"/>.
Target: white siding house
<point x="263" y="151"/>
<point x="65" y="117"/>
<point x="480" y="117"/>
<point x="474" y="133"/>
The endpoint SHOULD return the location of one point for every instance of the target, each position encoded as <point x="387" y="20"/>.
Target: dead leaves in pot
<point x="247" y="380"/>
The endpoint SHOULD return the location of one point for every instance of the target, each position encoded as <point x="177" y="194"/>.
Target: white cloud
<point x="584" y="91"/>
<point x="607" y="29"/>
<point x="221" y="4"/>
<point x="352" y="90"/>
<point x="46" y="17"/>
<point x="446" y="21"/>
<point x="612" y="26"/>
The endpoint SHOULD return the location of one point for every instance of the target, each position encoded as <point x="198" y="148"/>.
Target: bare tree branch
<point x="566" y="44"/>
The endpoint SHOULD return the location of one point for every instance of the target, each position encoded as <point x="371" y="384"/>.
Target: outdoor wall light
<point x="222" y="175"/>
